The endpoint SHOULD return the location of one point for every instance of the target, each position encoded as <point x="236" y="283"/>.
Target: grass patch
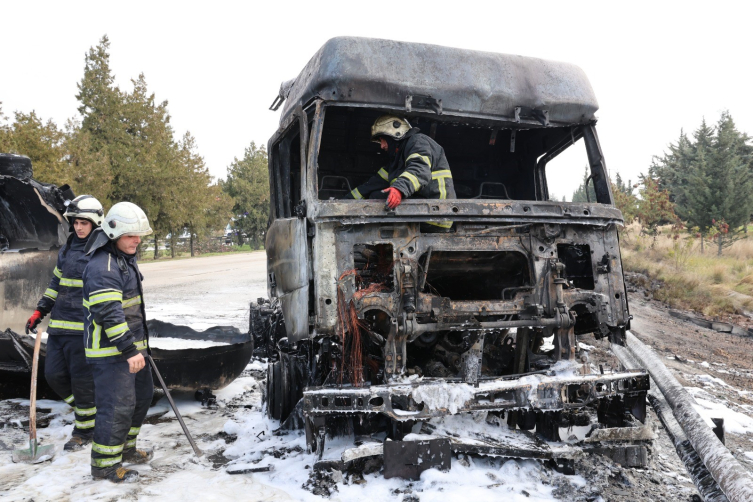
<point x="703" y="282"/>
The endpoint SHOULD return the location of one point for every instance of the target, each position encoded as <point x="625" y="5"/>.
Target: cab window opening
<point x="486" y="162"/>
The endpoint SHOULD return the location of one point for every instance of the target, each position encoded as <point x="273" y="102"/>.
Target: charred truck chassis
<point x="376" y="325"/>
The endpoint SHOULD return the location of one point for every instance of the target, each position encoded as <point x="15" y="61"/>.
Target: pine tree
<point x="654" y="208"/>
<point x="730" y="176"/>
<point x="87" y="171"/>
<point x="671" y="169"/>
<point x="248" y="184"/>
<point x="624" y="200"/>
<point x="721" y="185"/>
<point x="100" y="100"/>
<point x="585" y="192"/>
<point x="699" y="205"/>
<point x="202" y="207"/>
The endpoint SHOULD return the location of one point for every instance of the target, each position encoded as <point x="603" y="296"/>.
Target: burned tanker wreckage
<point x="32" y="231"/>
<point x="375" y="328"/>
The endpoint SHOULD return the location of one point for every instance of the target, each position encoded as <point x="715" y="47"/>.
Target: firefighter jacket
<point x="63" y="299"/>
<point x="115" y="325"/>
<point x="419" y="169"/>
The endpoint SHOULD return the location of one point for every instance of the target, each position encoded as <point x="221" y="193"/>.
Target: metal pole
<point x="196" y="449"/>
<point x="735" y="480"/>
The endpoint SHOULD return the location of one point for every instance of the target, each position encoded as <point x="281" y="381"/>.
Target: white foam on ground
<point x="167" y="343"/>
<point x="441" y="396"/>
<point x="712" y="407"/>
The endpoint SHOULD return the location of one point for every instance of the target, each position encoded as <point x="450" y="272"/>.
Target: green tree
<point x="654" y="208"/>
<point x="248" y="184"/>
<point x="671" y="169"/>
<point x="100" y="100"/>
<point x="624" y="199"/>
<point x="203" y="207"/>
<point x="730" y="174"/>
<point x="87" y="171"/>
<point x="585" y="192"/>
<point x="41" y="141"/>
<point x="128" y="136"/>
<point x="124" y="148"/>
<point x="621" y="186"/>
<point x="710" y="177"/>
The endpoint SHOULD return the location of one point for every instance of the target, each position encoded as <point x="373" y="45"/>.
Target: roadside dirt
<point x="729" y="357"/>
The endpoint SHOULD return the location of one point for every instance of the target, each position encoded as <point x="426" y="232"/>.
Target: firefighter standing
<point x="116" y="341"/>
<point x="66" y="369"/>
<point x="418" y="168"/>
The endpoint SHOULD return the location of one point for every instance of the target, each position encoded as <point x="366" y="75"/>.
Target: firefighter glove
<point x="33" y="321"/>
<point x="394" y="197"/>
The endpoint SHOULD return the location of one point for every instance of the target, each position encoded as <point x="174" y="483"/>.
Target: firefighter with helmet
<point x="66" y="369"/>
<point x="116" y="342"/>
<point x="417" y="167"/>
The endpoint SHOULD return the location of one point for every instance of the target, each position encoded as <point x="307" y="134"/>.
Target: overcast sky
<point x="656" y="67"/>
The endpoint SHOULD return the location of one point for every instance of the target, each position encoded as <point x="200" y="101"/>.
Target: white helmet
<point x="126" y="218"/>
<point x="85" y="207"/>
<point x="389" y="125"/>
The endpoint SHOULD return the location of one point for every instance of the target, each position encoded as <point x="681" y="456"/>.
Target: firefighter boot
<point x="137" y="455"/>
<point x="76" y="443"/>
<point x="116" y="474"/>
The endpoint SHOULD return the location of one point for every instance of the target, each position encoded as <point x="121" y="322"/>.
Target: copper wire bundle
<point x="350" y="329"/>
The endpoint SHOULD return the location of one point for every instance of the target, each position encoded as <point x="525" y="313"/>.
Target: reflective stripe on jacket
<point x="115" y="326"/>
<point x="63" y="298"/>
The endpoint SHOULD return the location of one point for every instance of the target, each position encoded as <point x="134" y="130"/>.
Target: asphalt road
<point x="205" y="291"/>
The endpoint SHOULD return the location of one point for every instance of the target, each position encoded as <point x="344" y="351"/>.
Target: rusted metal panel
<point x="469" y="210"/>
<point x="408" y="459"/>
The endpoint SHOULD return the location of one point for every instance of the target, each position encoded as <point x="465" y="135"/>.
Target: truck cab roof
<point x="449" y="81"/>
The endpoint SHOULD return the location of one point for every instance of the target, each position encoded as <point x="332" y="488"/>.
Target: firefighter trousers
<point x="70" y="376"/>
<point x="123" y="399"/>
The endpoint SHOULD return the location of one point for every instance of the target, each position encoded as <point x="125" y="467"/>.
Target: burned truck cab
<point x="370" y="312"/>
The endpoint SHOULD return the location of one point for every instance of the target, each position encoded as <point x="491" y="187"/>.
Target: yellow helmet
<point x="389" y="125"/>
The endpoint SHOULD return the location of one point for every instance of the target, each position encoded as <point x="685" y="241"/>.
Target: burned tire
<point x="284" y="387"/>
<point x="274" y="392"/>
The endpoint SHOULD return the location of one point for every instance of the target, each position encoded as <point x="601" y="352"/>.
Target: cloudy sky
<point x="656" y="67"/>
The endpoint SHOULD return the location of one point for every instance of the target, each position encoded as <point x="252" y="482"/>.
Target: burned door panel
<point x="288" y="279"/>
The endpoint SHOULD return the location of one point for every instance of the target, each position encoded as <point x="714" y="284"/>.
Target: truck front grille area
<point x="477" y="275"/>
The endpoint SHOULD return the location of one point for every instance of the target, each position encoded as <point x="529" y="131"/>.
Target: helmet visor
<point x="72" y="207"/>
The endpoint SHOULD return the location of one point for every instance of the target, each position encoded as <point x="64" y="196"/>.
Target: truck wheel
<point x="274" y="390"/>
<point x="284" y="387"/>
